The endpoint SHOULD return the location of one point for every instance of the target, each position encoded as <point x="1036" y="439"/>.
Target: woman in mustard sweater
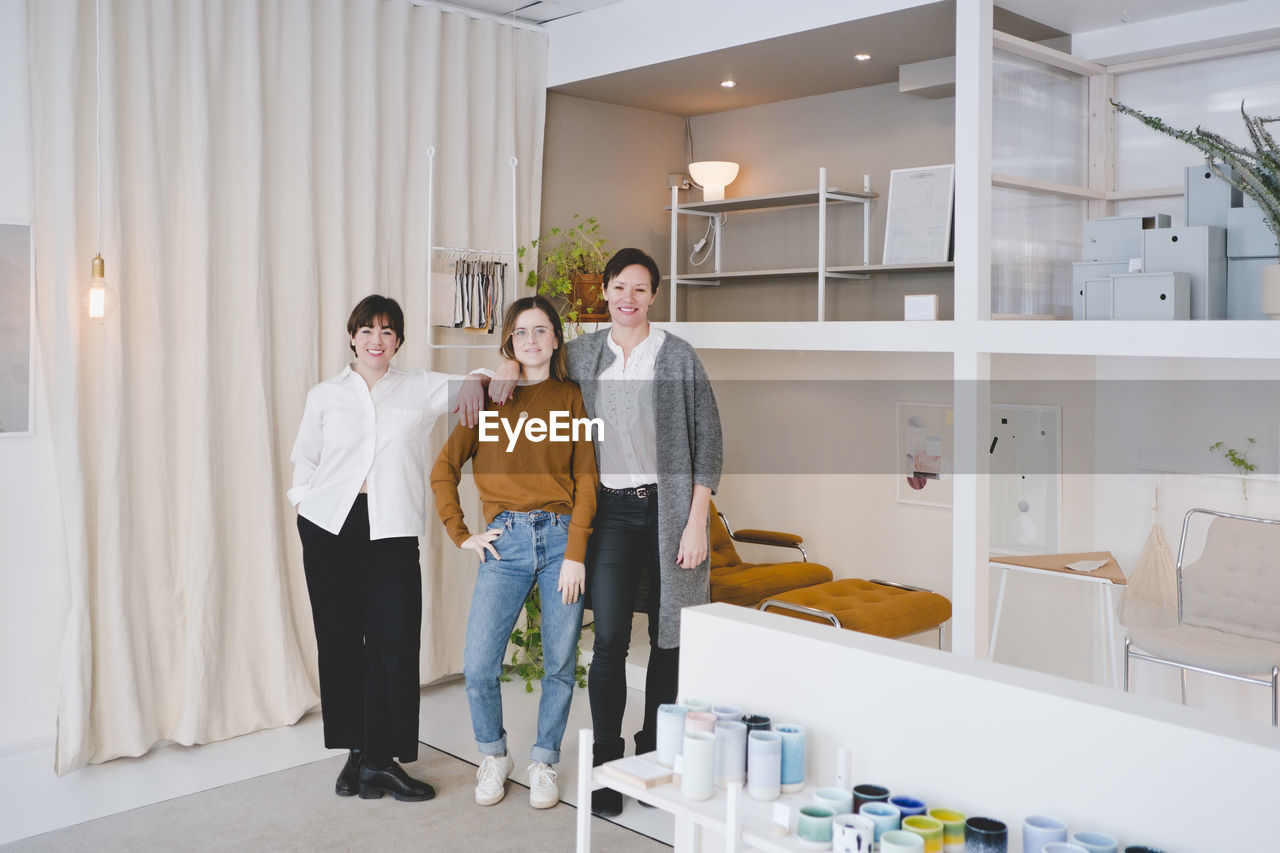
<point x="535" y="469"/>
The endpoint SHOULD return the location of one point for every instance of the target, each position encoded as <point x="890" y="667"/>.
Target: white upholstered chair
<point x="1228" y="607"/>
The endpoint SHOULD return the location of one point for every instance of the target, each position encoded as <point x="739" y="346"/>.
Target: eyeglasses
<point x="538" y="332"/>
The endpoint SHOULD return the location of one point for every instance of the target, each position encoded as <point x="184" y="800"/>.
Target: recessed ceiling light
<point x="862" y="57"/>
<point x="728" y="84"/>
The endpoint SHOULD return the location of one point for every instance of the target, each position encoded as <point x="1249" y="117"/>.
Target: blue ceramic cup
<point x="908" y="805"/>
<point x="886" y="817"/>
<point x="1095" y="842"/>
<point x="813" y="825"/>
<point x="1039" y="830"/>
<point x="867" y="793"/>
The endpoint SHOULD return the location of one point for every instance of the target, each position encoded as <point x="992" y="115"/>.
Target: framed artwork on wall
<point x="926" y="434"/>
<point x="918" y="223"/>
<point x="17" y="320"/>
<point x="1026" y="482"/>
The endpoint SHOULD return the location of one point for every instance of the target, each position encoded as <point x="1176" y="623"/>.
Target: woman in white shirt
<point x="359" y="482"/>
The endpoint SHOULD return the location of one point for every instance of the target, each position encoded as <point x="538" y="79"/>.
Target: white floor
<point x="36" y="801"/>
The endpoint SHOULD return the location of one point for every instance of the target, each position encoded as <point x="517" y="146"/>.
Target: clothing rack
<point x="460" y="252"/>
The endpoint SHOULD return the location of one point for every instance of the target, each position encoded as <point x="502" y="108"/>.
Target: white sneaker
<point x="544" y="792"/>
<point x="491" y="779"/>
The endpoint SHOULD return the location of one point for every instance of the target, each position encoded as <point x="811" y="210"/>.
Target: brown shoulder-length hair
<point x="373" y="308"/>
<point x="559" y="359"/>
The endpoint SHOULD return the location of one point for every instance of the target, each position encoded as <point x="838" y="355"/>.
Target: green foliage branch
<point x="526" y="648"/>
<point x="1255" y="172"/>
<point x="1240" y="460"/>
<point x="577" y="249"/>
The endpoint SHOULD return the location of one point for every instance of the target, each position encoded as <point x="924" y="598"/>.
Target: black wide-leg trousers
<point x="366" y="605"/>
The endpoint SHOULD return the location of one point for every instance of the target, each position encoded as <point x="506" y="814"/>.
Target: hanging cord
<point x="97" y="114"/>
<point x="688" y="137"/>
<point x="707" y="242"/>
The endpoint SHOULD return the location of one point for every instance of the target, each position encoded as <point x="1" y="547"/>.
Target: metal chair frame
<point x="1130" y="652"/>
<point x="835" y="620"/>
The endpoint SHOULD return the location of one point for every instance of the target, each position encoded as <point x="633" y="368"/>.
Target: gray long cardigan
<point x="690" y="451"/>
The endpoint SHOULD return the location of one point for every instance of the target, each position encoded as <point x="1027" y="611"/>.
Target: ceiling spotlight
<point x="728" y="84"/>
<point x="862" y="57"/>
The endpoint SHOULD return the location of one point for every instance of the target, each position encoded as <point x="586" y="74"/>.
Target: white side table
<point x="1104" y="578"/>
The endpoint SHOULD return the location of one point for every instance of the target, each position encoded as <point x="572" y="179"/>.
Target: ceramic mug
<point x="731" y="752"/>
<point x="1141" y="848"/>
<point x="700" y="721"/>
<point x="837" y="799"/>
<point x="764" y="765"/>
<point x="886" y="817"/>
<point x="670" y="733"/>
<point x="985" y="835"/>
<point x="901" y="841"/>
<point x="952" y="829"/>
<point x="1039" y="830"/>
<point x="726" y="712"/>
<point x="696" y="704"/>
<point x="908" y="805"/>
<point x="928" y="828"/>
<point x="1095" y="842"/>
<point x="852" y="833"/>
<point x="867" y="793"/>
<point x="792" y="757"/>
<point x="814" y="828"/>
<point x="756" y="722"/>
<point x="697" y="776"/>
<point x="1062" y="847"/>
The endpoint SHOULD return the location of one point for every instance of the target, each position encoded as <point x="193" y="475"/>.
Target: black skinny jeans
<point x="623" y="547"/>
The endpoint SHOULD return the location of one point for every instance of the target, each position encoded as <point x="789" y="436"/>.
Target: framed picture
<point x="17" y="319"/>
<point x="918" y="223"/>
<point x="926" y="435"/>
<point x="1026" y="482"/>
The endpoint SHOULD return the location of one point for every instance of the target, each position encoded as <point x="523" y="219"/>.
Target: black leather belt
<point x="640" y="492"/>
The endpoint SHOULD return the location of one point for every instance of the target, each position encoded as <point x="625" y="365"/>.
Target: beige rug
<point x="296" y="809"/>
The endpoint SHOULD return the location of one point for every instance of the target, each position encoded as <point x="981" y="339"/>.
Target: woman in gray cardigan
<point x="659" y="462"/>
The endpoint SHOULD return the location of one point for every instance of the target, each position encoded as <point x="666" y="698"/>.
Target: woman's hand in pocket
<point x="573" y="581"/>
<point x="480" y="542"/>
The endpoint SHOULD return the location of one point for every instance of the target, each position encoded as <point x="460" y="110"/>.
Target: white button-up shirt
<point x="352" y="435"/>
<point x="629" y="451"/>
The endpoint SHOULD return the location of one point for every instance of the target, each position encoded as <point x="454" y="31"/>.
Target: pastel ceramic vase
<point x="852" y="833"/>
<point x="756" y="722"/>
<point x="952" y="829"/>
<point x="886" y="817"/>
<point x="985" y="835"/>
<point x="697" y="778"/>
<point x="731" y="752"/>
<point x="813" y="827"/>
<point x="1063" y="847"/>
<point x="1039" y="830"/>
<point x="670" y="734"/>
<point x="726" y="712"/>
<point x="696" y="704"/>
<point x="928" y="828"/>
<point x="1095" y="842"/>
<point x="764" y="765"/>
<point x="838" y="800"/>
<point x="901" y="841"/>
<point x="792" y="757"/>
<point x="1141" y="848"/>
<point x="868" y="793"/>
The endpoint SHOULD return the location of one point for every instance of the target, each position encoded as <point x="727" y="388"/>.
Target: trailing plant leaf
<point x="1255" y="172"/>
<point x="562" y="254"/>
<point x="527" y="661"/>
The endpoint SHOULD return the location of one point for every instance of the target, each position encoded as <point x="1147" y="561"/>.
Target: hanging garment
<point x="1150" y="598"/>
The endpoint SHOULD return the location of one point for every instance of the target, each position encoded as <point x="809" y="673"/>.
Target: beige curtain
<point x="263" y="167"/>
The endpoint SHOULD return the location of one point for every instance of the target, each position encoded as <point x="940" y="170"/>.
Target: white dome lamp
<point x="713" y="176"/>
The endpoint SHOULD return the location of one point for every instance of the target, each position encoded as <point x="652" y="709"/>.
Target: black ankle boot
<point x="606" y="802"/>
<point x="374" y="782"/>
<point x="349" y="779"/>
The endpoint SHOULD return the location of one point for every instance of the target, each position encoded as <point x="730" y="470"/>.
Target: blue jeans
<point x="532" y="548"/>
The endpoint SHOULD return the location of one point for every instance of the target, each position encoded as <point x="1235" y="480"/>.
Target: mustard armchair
<point x="747" y="584"/>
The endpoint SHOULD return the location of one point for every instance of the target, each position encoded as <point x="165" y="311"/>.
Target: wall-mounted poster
<point x="1026" y="486"/>
<point x="925" y="453"/>
<point x="918" y="223"/>
<point x="16" y="320"/>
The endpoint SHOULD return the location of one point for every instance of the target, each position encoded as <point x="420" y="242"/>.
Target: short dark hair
<point x="373" y="308"/>
<point x="559" y="359"/>
<point x="624" y="258"/>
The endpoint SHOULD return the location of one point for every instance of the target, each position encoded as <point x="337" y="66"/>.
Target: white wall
<point x="33" y="593"/>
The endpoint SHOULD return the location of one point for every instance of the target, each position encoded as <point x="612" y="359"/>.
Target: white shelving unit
<point x="820" y="198"/>
<point x="743" y="823"/>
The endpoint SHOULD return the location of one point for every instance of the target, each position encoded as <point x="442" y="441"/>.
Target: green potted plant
<point x="569" y="269"/>
<point x="1239" y="459"/>
<point x="1255" y="171"/>
<point x="526" y="647"/>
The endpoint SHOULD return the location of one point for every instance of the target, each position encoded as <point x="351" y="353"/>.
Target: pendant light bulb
<point x="99" y="299"/>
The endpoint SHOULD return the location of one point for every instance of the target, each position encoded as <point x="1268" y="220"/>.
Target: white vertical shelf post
<point x="515" y="230"/>
<point x="431" y="236"/>
<point x="970" y="516"/>
<point x="675" y="240"/>
<point x="586" y="738"/>
<point x="822" y="243"/>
